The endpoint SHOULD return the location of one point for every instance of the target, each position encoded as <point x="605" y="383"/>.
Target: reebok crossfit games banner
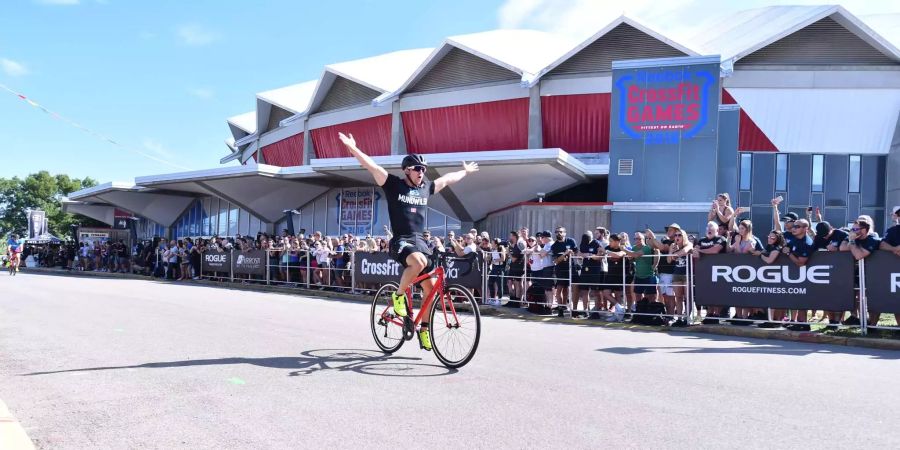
<point x="664" y="118"/>
<point x="825" y="282"/>
<point x="379" y="268"/>
<point x="883" y="282"/>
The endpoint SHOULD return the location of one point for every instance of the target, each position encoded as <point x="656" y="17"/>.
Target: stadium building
<point x="626" y="129"/>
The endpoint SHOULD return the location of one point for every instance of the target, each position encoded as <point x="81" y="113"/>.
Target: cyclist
<point x="14" y="250"/>
<point x="407" y="199"/>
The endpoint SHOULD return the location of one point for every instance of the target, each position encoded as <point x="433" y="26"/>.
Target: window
<point x="855" y="170"/>
<point x="781" y="172"/>
<point x="818" y="173"/>
<point x="223" y="218"/>
<point x="746" y="164"/>
<point x="233" y="220"/>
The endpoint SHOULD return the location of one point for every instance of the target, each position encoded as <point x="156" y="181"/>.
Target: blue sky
<point x="162" y="76"/>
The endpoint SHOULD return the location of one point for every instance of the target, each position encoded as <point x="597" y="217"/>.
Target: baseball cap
<point x="790" y="217"/>
<point x="822" y="229"/>
<point x="897" y="210"/>
<point x="675" y="226"/>
<point x="545" y="233"/>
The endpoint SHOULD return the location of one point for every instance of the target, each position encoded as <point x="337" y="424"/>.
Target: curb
<point x="12" y="435"/>
<point x="507" y="313"/>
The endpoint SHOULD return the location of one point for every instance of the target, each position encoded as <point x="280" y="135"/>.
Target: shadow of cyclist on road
<point x="367" y="362"/>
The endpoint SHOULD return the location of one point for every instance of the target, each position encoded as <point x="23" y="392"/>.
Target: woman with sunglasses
<point x="407" y="200"/>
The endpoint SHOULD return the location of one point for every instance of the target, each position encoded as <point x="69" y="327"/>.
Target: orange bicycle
<point x="455" y="325"/>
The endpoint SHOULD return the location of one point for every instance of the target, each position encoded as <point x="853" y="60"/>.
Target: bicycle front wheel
<point x="455" y="326"/>
<point x="387" y="328"/>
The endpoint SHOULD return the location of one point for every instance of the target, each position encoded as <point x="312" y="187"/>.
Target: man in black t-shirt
<point x="407" y="200"/>
<point x="828" y="238"/>
<point x="563" y="247"/>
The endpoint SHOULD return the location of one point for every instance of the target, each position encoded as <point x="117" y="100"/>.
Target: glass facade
<point x="148" y="229"/>
<point x="210" y="216"/>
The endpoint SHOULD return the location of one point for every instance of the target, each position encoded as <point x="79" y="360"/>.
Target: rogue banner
<point x="883" y="282"/>
<point x="379" y="268"/>
<point x="250" y="263"/>
<point x="215" y="262"/>
<point x="825" y="282"/>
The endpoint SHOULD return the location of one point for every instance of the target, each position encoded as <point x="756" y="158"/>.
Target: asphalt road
<point x="113" y="363"/>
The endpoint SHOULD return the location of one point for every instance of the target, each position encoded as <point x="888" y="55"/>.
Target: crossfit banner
<point x="883" y="282"/>
<point x="825" y="282"/>
<point x="212" y="261"/>
<point x="379" y="268"/>
<point x="250" y="263"/>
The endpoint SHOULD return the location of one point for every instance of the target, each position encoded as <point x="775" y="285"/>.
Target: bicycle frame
<point x="439" y="273"/>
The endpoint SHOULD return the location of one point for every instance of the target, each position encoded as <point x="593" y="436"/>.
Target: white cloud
<point x="197" y="35"/>
<point x="677" y="19"/>
<point x="158" y="149"/>
<point x="13" y="68"/>
<point x="202" y="93"/>
<point x="59" y="2"/>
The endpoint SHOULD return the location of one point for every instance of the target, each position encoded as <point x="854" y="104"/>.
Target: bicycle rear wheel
<point x="387" y="328"/>
<point x="455" y="327"/>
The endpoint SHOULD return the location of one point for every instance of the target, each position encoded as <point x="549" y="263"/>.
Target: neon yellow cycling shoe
<point x="425" y="339"/>
<point x="399" y="304"/>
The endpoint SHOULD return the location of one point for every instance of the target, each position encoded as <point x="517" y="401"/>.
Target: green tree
<point x="40" y="191"/>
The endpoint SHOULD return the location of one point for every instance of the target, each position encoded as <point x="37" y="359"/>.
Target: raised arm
<point x="377" y="171"/>
<point x="454" y="177"/>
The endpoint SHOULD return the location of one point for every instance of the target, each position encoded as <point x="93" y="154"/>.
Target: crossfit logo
<point x="389" y="267"/>
<point x="771" y="274"/>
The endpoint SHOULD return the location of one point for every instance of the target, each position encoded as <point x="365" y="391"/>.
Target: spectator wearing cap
<point x="798" y="249"/>
<point x="829" y="239"/>
<point x="666" y="268"/>
<point x="861" y="243"/>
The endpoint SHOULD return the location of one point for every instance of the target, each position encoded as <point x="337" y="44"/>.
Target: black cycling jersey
<point x="406" y="205"/>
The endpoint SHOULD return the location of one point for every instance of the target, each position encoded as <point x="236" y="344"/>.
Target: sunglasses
<point x="855" y="229"/>
<point x="417" y="168"/>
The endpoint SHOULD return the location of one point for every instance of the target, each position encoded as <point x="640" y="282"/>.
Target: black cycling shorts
<point x="402" y="246"/>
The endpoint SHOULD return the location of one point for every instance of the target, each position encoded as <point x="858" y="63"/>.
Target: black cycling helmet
<point x="413" y="159"/>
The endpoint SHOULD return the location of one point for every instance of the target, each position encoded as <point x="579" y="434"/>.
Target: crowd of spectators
<point x="613" y="275"/>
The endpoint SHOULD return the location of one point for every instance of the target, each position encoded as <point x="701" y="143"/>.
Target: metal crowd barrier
<point x="302" y="273"/>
